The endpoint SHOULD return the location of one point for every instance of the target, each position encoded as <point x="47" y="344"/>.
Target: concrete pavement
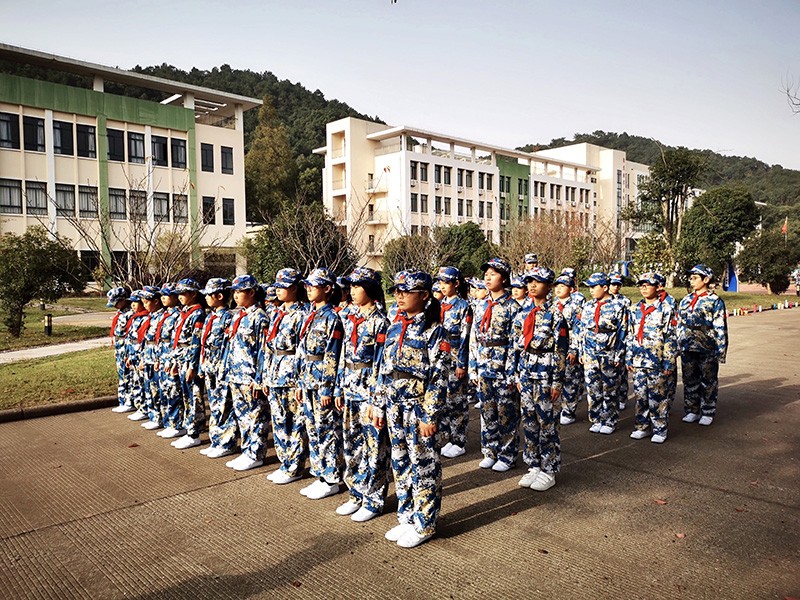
<point x="94" y="506"/>
<point x="12" y="356"/>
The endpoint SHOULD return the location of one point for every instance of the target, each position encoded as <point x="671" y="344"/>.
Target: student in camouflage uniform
<point x="519" y="291"/>
<point x="317" y="364"/>
<point x="133" y="356"/>
<point x="499" y="400"/>
<point x="702" y="343"/>
<point x="118" y="298"/>
<point x="413" y="368"/>
<point x="151" y="379"/>
<point x="222" y="428"/>
<point x="569" y="306"/>
<point x="279" y="377"/>
<point x="652" y="358"/>
<point x="456" y="319"/>
<point x="616" y="280"/>
<point x="664" y="296"/>
<point x="186" y="361"/>
<point x="602" y="328"/>
<point x="171" y="398"/>
<point x="366" y="448"/>
<point x="538" y="361"/>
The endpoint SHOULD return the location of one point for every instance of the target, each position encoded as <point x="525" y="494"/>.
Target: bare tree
<point x="792" y="91"/>
<point x="557" y="240"/>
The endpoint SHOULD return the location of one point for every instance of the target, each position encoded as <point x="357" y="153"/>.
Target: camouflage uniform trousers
<point x="136" y="390"/>
<point x="194" y="409"/>
<point x="650" y="388"/>
<point x="252" y="415"/>
<point x="152" y="395"/>
<point x="499" y="419"/>
<point x="366" y="453"/>
<point x="540" y="421"/>
<point x="171" y="400"/>
<point x="288" y="429"/>
<point x="416" y="462"/>
<point x="622" y="389"/>
<point x="602" y="389"/>
<point x="124" y="383"/>
<point x="222" y="429"/>
<point x="455" y="418"/>
<point x="574" y="389"/>
<point x="672" y="385"/>
<point x="700" y="383"/>
<point x="324" y="430"/>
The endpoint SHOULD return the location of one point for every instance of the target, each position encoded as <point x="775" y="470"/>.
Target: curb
<point x="48" y="410"/>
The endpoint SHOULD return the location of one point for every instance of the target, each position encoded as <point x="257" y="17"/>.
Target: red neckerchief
<point x="236" y="321"/>
<point x="646" y="310"/>
<point x="597" y="315"/>
<point x="486" y="321"/>
<point x="185" y="315"/>
<point x="356" y="320"/>
<point x="274" y="331"/>
<point x="307" y="323"/>
<point x="141" y="313"/>
<point x="445" y="308"/>
<point x="114" y="323"/>
<point x="142" y="330"/>
<point x="662" y="295"/>
<point x="160" y="325"/>
<point x="560" y="306"/>
<point x="405" y="322"/>
<point x="529" y="326"/>
<point x="695" y="299"/>
<point x="206" y="331"/>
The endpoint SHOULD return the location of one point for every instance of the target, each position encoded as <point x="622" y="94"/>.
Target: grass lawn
<point x="33" y="334"/>
<point x="74" y="376"/>
<point x="732" y="299"/>
<point x="83" y="304"/>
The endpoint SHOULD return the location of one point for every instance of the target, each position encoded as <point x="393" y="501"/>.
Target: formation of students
<point x="359" y="389"/>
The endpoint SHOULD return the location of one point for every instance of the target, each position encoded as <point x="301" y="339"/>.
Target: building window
<point x="423" y="201"/>
<point x="437" y="205"/>
<point x="447" y="172"/>
<point x="415" y="230"/>
<point x="228" y="213"/>
<point x="180" y="208"/>
<point x="116" y="204"/>
<point x="481" y="178"/>
<point x="525" y="187"/>
<point x="33" y="128"/>
<point x="87" y="146"/>
<point x="87" y="202"/>
<point x="119" y="264"/>
<point x="519" y="187"/>
<point x="90" y="260"/>
<point x="62" y="138"/>
<point x="423" y="171"/>
<point x="469" y="208"/>
<point x="159" y="143"/>
<point x="413" y="202"/>
<point x="207" y="157"/>
<point x="413" y="169"/>
<point x="138" y="203"/>
<point x="502" y="211"/>
<point x="460" y="177"/>
<point x="425" y="231"/>
<point x="460" y="207"/>
<point x="10" y="196"/>
<point x="371" y="243"/>
<point x="9" y="130"/>
<point x="116" y="144"/>
<point x="65" y="200"/>
<point x="437" y="174"/>
<point x="488" y="210"/>
<point x="135" y="147"/>
<point x="502" y="185"/>
<point x="209" y="210"/>
<point x="178" y="154"/>
<point x="489" y="181"/>
<point x="227" y="160"/>
<point x="469" y="179"/>
<point x="480" y="209"/>
<point x="519" y="211"/>
<point x="446" y="205"/>
<point x="35" y="198"/>
<point x="161" y="206"/>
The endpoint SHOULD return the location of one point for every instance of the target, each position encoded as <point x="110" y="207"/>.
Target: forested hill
<point x="778" y="187"/>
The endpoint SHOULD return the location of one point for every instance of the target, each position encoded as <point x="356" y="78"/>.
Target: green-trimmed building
<point x="514" y="192"/>
<point x="121" y="176"/>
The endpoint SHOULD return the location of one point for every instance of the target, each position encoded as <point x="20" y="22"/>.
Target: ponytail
<point x="432" y="312"/>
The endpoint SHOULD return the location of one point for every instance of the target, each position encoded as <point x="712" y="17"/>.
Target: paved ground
<point x="93" y="506"/>
<point x="99" y="319"/>
<point x="52" y="350"/>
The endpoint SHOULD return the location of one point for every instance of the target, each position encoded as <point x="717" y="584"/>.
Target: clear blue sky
<point x="703" y="74"/>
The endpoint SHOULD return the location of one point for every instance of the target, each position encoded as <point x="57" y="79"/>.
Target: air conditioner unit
<point x="413" y="183"/>
<point x="460" y="189"/>
<point x="460" y="219"/>
<point x="437" y="186"/>
<point x="480" y="192"/>
<point x="502" y="194"/>
<point x="522" y="196"/>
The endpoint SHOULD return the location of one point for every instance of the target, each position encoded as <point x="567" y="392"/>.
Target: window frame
<point x="11" y="140"/>
<point x="87" y="148"/>
<point x="226" y="166"/>
<point x="115" y="139"/>
<point x="63" y="138"/>
<point x="178" y="153"/>
<point x="159" y="145"/>
<point x="207" y="157"/>
<point x="28" y="125"/>
<point x="180" y="215"/>
<point x="136" y="151"/>
<point x="84" y="192"/>
<point x="228" y="211"/>
<point x="114" y="196"/>
<point x="161" y="199"/>
<point x="31" y="207"/>
<point x="65" y="200"/>
<point x="9" y="208"/>
<point x="209" y="216"/>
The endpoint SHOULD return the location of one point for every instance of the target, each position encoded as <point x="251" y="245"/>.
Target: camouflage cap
<point x="320" y="276"/>
<point x="187" y="285"/>
<point x="286" y="278"/>
<point x="116" y="294"/>
<point x="702" y="270"/>
<point x="649" y="278"/>
<point x="363" y="276"/>
<point x="412" y="281"/>
<point x="541" y="274"/>
<point x="150" y="292"/>
<point x="215" y="285"/>
<point x="244" y="282"/>
<point x="449" y="274"/>
<point x="498" y="264"/>
<point x="598" y="278"/>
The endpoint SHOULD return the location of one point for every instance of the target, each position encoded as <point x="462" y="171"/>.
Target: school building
<point x="117" y="174"/>
<point x="381" y="182"/>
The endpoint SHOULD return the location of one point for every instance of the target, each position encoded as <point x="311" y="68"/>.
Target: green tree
<point x="767" y="257"/>
<point x="652" y="254"/>
<point x="406" y="252"/>
<point x="270" y="169"/>
<point x="34" y="265"/>
<point x="717" y="221"/>
<point x="462" y="246"/>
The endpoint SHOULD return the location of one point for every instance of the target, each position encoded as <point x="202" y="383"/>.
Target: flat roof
<point x="210" y="101"/>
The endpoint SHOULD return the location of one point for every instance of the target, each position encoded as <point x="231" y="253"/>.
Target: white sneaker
<point x="363" y="514"/>
<point x="501" y="467"/>
<point x="411" y="539"/>
<point x="456" y="451"/>
<point x="543" y="482"/>
<point x="565" y="420"/>
<point x="137" y="416"/>
<point x="186" y="442"/>
<point x="206" y="450"/>
<point x="281" y="477"/>
<point x="658" y="439"/>
<point x="122" y="408"/>
<point x="446" y="450"/>
<point x="638" y="434"/>
<point x="171" y="432"/>
<point x="245" y="463"/>
<point x="478" y="405"/>
<point x="622" y="406"/>
<point x="705" y="420"/>
<point x="486" y="463"/>
<point x="323" y="490"/>
<point x="687" y="418"/>
<point x="151" y="425"/>
<point x="606" y="430"/>
<point x="528" y="478"/>
<point x="230" y="463"/>
<point x="309" y="487"/>
<point x="213" y="452"/>
<point x="595" y="428"/>
<point x="165" y="430"/>
<point x="396" y="532"/>
<point x="348" y="508"/>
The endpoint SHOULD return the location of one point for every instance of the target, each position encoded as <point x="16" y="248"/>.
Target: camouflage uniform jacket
<point x="651" y="341"/>
<point x="165" y="334"/>
<point x="137" y="323"/>
<point x="570" y="309"/>
<point x="150" y="348"/>
<point x="602" y="332"/>
<point x="457" y="323"/>
<point x="318" y="350"/>
<point x="491" y="334"/>
<point x="186" y="339"/>
<point x="363" y="336"/>
<point x="540" y="345"/>
<point x="245" y="339"/>
<point x="278" y="356"/>
<point x="214" y="341"/>
<point x="703" y="325"/>
<point x="118" y="329"/>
